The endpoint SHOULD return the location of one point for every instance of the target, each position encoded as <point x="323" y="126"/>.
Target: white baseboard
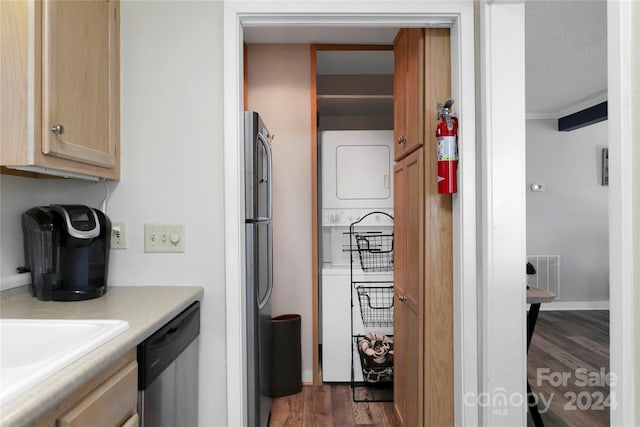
<point x="575" y="305"/>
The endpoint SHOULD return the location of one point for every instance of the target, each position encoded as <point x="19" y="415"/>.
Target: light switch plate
<point x="164" y="238"/>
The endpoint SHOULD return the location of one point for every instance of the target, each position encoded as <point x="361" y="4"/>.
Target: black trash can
<point x="286" y="357"/>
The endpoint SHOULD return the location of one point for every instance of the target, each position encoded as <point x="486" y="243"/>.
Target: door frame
<point x="623" y="69"/>
<point x="502" y="213"/>
<point x="459" y="17"/>
<point x="623" y="57"/>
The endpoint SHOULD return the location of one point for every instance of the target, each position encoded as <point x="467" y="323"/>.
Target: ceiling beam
<point x="582" y="118"/>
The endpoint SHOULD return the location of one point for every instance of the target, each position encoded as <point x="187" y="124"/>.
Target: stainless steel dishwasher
<point x="168" y="373"/>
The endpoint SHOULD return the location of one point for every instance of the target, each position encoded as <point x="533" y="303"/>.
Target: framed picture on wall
<point x="605" y="167"/>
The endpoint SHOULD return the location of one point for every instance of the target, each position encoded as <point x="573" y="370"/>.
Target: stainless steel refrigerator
<point x="259" y="274"/>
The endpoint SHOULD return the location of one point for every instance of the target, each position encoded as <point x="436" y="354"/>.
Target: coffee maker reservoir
<point x="67" y="251"/>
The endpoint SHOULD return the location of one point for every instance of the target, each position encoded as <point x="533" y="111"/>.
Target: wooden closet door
<point x="409" y="285"/>
<point x="399" y="98"/>
<point x="400" y="336"/>
<point x="408" y="88"/>
<point x="423" y="328"/>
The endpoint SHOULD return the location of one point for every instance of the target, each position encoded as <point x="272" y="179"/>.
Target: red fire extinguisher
<point x="447" y="135"/>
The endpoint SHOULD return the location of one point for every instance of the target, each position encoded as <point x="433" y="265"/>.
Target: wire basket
<point x="376" y="305"/>
<point x="375" y="251"/>
<point x="376" y="369"/>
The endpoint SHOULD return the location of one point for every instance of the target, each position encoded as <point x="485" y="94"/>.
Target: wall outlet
<point x="164" y="238"/>
<point x="118" y="235"/>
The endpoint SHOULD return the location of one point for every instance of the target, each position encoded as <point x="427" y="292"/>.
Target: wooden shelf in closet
<point x="355" y="101"/>
<point x="355" y="105"/>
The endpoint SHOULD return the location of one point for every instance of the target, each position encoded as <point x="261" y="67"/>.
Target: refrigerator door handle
<point x="267" y="150"/>
<point x="267" y="295"/>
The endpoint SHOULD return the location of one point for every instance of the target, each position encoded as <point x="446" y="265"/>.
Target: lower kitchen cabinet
<point x="109" y="400"/>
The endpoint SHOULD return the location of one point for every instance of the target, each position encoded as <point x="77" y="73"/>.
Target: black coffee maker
<point x="67" y="251"/>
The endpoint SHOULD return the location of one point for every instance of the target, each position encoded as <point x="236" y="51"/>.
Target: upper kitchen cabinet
<point x="408" y="87"/>
<point x="61" y="87"/>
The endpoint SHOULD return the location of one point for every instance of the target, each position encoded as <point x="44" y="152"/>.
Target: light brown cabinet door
<point x="399" y="100"/>
<point x="112" y="404"/>
<point x="80" y="83"/>
<point x="409" y="75"/>
<point x="400" y="336"/>
<point x="409" y="283"/>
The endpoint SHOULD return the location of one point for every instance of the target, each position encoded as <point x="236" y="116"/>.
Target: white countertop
<point x="146" y="308"/>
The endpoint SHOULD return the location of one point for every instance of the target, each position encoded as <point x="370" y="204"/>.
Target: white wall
<point x="172" y="169"/>
<point x="172" y="154"/>
<point x="569" y="218"/>
<point x="278" y="79"/>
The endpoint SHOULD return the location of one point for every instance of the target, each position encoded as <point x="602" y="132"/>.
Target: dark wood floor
<point x="568" y="366"/>
<point x="329" y="405"/>
<point x="568" y="361"/>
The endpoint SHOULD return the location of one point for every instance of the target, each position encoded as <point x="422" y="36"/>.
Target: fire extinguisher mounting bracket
<point x="444" y="113"/>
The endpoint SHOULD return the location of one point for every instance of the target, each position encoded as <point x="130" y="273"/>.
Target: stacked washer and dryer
<point x="357" y="198"/>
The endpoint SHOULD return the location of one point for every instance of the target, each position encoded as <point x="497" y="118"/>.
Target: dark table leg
<point x="531" y="322"/>
<point x="531" y="400"/>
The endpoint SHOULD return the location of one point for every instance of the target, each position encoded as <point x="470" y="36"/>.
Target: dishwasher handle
<point x="165" y="345"/>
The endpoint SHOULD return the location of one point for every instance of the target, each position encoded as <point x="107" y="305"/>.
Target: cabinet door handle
<point x="402" y="298"/>
<point x="402" y="139"/>
<point x="58" y="129"/>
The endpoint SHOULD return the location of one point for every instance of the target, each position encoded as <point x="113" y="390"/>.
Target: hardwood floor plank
<point x="341" y="405"/>
<point x="362" y="413"/>
<point x="287" y="411"/>
<point x="544" y="344"/>
<point x="389" y="416"/>
<point x="317" y="406"/>
<point x="591" y="346"/>
<point x="330" y="405"/>
<point x="563" y="342"/>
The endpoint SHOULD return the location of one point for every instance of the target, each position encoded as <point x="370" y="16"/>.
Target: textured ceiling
<point x="566" y="51"/>
<point x="566" y="55"/>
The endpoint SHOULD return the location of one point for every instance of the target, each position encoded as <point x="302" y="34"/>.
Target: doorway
<point x="312" y="17"/>
<point x="352" y="136"/>
<point x="460" y="16"/>
<point x="567" y="209"/>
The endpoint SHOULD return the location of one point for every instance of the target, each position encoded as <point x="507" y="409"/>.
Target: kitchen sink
<point x="33" y="349"/>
